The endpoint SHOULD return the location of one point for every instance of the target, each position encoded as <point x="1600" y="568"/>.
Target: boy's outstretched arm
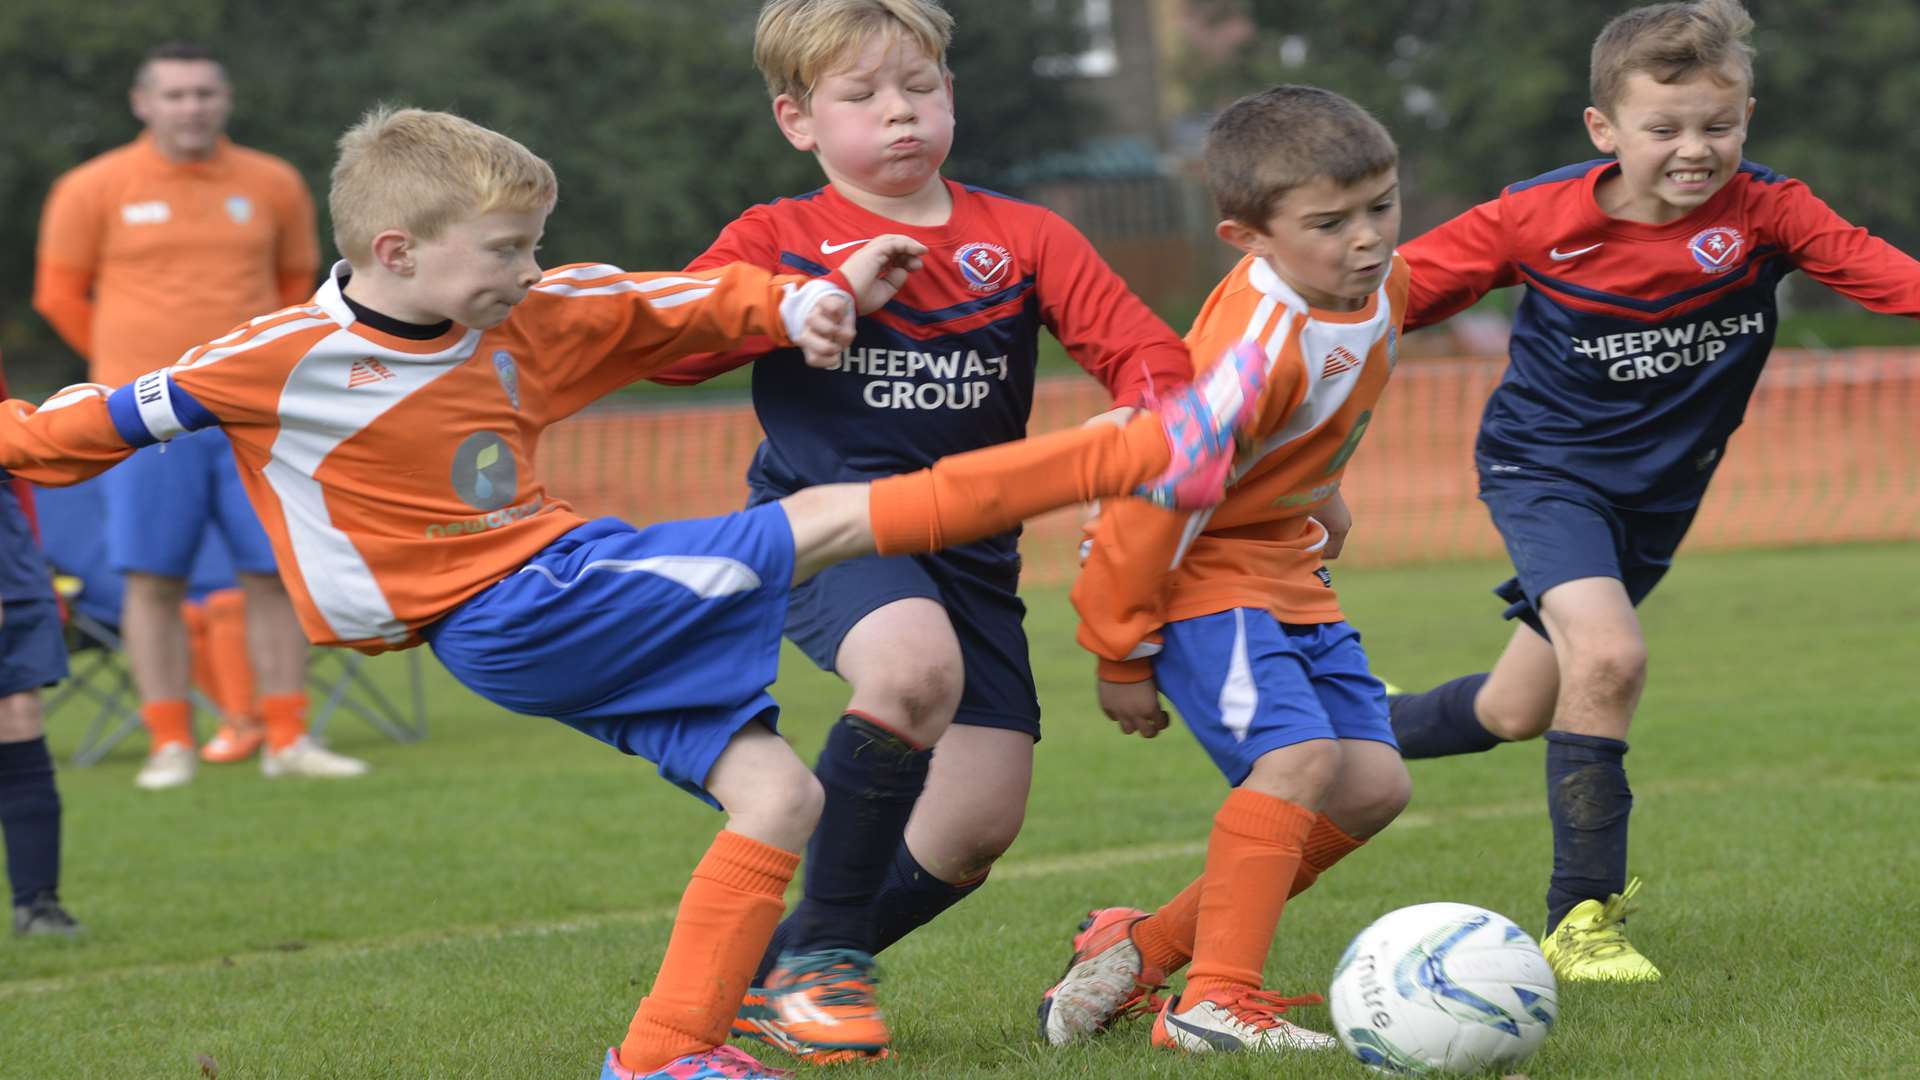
<point x="1456" y="263"/>
<point x="873" y="275"/>
<point x="77" y="434"/>
<point x="1845" y="257"/>
<point x="1109" y="332"/>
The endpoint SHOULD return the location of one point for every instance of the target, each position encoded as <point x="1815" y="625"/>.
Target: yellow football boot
<point x="1590" y="944"/>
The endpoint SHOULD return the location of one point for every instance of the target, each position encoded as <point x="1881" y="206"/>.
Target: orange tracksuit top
<point x="396" y="477"/>
<point x="176" y="253"/>
<point x="1259" y="548"/>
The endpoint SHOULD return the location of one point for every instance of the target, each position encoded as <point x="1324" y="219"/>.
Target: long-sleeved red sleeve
<point x="1456" y="263"/>
<point x="1844" y="256"/>
<point x="1106" y="328"/>
<point x="748" y="239"/>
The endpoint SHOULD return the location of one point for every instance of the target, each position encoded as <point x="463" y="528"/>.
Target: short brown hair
<point x="796" y="40"/>
<point x="422" y="171"/>
<point x="1269" y="143"/>
<point x="1671" y="42"/>
<point x="191" y="51"/>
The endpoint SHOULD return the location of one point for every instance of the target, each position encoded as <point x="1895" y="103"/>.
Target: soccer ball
<point x="1442" y="988"/>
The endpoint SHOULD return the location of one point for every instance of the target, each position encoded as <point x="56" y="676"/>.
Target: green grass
<point x="492" y="902"/>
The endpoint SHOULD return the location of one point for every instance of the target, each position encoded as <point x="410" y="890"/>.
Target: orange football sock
<point x="231" y="665"/>
<point x="1326" y="845"/>
<point x="1256" y="844"/>
<point x="1165" y="938"/>
<point x="286" y="719"/>
<point x="974" y="495"/>
<point x="168" y="721"/>
<point x="726" y="918"/>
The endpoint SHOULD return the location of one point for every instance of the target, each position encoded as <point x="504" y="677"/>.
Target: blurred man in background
<point x="171" y="240"/>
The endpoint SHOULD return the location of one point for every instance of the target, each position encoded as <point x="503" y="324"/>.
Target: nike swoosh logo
<point x="1562" y="256"/>
<point x="828" y="249"/>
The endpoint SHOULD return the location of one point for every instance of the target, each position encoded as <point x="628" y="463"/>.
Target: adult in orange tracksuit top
<point x="146" y="251"/>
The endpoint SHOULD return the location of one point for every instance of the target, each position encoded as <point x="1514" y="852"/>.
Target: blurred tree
<point x="652" y="113"/>
<point x="1481" y="93"/>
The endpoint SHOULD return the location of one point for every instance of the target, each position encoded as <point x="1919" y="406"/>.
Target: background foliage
<point x="659" y="127"/>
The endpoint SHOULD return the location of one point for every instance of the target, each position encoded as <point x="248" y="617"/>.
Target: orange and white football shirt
<point x="395" y="476"/>
<point x="174" y="253"/>
<point x="1260" y="547"/>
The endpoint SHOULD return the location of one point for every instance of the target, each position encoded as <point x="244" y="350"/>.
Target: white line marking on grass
<point x="1018" y="869"/>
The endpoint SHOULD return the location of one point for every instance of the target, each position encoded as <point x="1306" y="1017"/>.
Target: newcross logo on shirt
<point x="484" y="473"/>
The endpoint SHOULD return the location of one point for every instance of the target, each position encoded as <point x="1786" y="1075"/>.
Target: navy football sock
<point x="872" y="777"/>
<point x="1441" y="722"/>
<point x="1588" y="801"/>
<point x="912" y="898"/>
<point x="30" y="819"/>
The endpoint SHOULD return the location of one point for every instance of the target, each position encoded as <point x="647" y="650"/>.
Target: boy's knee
<point x="1303" y="773"/>
<point x="920" y="693"/>
<point x="785" y="805"/>
<point x="1610" y="668"/>
<point x="1515" y="717"/>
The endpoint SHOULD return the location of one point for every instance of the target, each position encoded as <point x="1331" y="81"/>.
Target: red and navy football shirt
<point x="948" y="365"/>
<point x="1636" y="347"/>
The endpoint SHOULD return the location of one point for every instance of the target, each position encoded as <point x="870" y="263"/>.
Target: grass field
<point x="492" y="902"/>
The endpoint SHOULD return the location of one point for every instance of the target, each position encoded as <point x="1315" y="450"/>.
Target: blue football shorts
<point x="982" y="601"/>
<point x="1248" y="684"/>
<point x="1557" y="531"/>
<point x="162" y="499"/>
<point x="33" y="652"/>
<point x="660" y="642"/>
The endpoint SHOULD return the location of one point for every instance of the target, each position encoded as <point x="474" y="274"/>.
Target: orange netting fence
<point x="1830" y="452"/>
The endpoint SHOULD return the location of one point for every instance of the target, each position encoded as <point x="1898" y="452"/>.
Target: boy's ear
<point x="1240" y="235"/>
<point x="1600" y="130"/>
<point x="796" y="123"/>
<point x="393" y="252"/>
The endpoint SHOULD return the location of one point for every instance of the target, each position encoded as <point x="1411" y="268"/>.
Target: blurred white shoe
<point x="170" y="765"/>
<point x="304" y="757"/>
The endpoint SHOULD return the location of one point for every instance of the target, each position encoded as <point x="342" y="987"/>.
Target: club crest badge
<point x="984" y="267"/>
<point x="509" y="376"/>
<point x="1717" y="250"/>
<point x="240" y="209"/>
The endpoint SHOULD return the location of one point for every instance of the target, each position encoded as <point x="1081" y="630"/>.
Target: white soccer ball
<point x="1443" y="988"/>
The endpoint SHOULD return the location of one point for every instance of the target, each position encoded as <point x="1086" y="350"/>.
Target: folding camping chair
<point x="70" y="533"/>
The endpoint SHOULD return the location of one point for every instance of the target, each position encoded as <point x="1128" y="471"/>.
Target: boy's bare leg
<point x="1517" y="700"/>
<point x="974" y="804"/>
<point x="731" y="906"/>
<point x="1603" y="668"/>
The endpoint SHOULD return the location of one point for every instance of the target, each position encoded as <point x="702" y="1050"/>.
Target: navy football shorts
<point x="1557" y="531"/>
<point x="33" y="652"/>
<point x="981" y="599"/>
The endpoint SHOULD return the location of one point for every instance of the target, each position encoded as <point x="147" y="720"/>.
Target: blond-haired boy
<point x="1230" y="612"/>
<point x="933" y="646"/>
<point x="1649" y="311"/>
<point x="386" y="432"/>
